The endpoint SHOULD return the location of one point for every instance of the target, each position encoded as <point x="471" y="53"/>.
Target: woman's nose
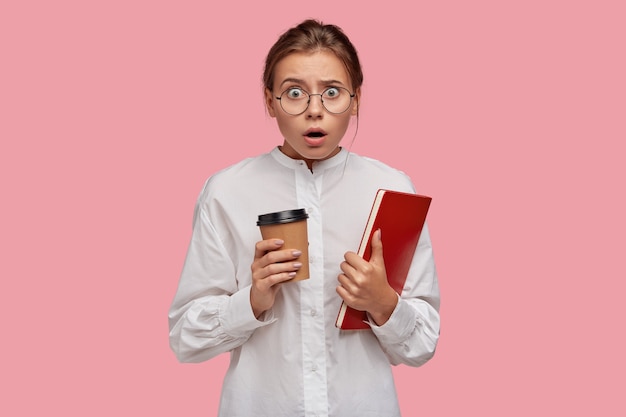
<point x="316" y="107"/>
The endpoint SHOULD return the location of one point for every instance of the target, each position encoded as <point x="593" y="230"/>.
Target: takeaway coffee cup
<point x="290" y="226"/>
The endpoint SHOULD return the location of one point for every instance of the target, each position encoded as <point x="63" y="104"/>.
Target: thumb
<point x="377" y="248"/>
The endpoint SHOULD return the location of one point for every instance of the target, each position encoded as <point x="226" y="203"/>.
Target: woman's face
<point x="315" y="134"/>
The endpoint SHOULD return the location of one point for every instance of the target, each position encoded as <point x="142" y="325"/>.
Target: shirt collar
<point x="317" y="166"/>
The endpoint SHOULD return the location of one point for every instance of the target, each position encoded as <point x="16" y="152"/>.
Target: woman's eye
<point x="332" y="92"/>
<point x="295" y="93"/>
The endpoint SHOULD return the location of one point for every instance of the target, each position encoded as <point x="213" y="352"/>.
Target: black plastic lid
<point x="287" y="216"/>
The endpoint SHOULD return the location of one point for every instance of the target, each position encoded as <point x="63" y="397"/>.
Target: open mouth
<point x="315" y="133"/>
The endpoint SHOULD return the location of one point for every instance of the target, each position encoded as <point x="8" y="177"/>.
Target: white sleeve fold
<point x="212" y="325"/>
<point x="411" y="334"/>
<point x="210" y="314"/>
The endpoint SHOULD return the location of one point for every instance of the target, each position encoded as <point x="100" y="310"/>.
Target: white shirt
<point x="293" y="361"/>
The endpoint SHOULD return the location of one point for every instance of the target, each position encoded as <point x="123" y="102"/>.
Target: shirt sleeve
<point x="209" y="315"/>
<point x="410" y="335"/>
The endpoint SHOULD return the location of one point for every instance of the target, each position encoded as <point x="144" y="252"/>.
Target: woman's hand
<point x="363" y="285"/>
<point x="270" y="268"/>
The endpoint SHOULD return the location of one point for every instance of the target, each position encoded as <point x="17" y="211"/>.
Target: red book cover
<point x="401" y="217"/>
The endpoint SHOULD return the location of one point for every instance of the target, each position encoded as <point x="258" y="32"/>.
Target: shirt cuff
<point x="400" y="325"/>
<point x="236" y="315"/>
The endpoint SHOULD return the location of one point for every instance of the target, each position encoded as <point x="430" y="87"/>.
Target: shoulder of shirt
<point x="379" y="167"/>
<point x="222" y="179"/>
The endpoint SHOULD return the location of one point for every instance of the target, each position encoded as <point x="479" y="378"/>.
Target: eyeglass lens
<point x="335" y="100"/>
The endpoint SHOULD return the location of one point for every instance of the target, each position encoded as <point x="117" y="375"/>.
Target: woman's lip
<point x="313" y="130"/>
<point x="314" y="141"/>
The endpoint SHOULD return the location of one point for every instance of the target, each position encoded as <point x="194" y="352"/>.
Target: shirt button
<point x="313" y="313"/>
<point x="314" y="368"/>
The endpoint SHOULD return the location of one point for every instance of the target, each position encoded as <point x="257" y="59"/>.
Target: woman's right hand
<point x="270" y="268"/>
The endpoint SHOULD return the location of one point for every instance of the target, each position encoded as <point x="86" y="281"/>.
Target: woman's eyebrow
<point x="292" y="80"/>
<point x="302" y="82"/>
<point x="329" y="82"/>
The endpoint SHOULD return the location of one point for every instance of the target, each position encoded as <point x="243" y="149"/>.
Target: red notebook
<point x="401" y="217"/>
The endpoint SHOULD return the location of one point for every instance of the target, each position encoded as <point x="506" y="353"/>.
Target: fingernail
<point x="297" y="264"/>
<point x="292" y="274"/>
<point x="278" y="242"/>
<point x="296" y="253"/>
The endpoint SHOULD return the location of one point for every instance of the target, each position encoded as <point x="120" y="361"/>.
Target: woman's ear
<point x="355" y="102"/>
<point x="269" y="102"/>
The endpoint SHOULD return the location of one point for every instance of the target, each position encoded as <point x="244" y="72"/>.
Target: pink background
<point x="510" y="114"/>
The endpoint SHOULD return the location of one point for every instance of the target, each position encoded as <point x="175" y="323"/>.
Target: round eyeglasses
<point x="295" y="101"/>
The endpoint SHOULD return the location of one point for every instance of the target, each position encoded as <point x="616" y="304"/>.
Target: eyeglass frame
<point x="308" y="102"/>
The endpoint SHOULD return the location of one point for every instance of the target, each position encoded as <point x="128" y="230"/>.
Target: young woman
<point x="234" y="295"/>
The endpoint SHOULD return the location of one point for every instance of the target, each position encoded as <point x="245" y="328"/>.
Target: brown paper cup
<point x="291" y="227"/>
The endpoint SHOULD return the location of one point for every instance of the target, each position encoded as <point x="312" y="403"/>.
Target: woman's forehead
<point x="316" y="68"/>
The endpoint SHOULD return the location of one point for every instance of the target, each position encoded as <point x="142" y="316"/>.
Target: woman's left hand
<point x="363" y="285"/>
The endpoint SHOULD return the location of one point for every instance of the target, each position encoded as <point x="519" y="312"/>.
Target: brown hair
<point x="310" y="36"/>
